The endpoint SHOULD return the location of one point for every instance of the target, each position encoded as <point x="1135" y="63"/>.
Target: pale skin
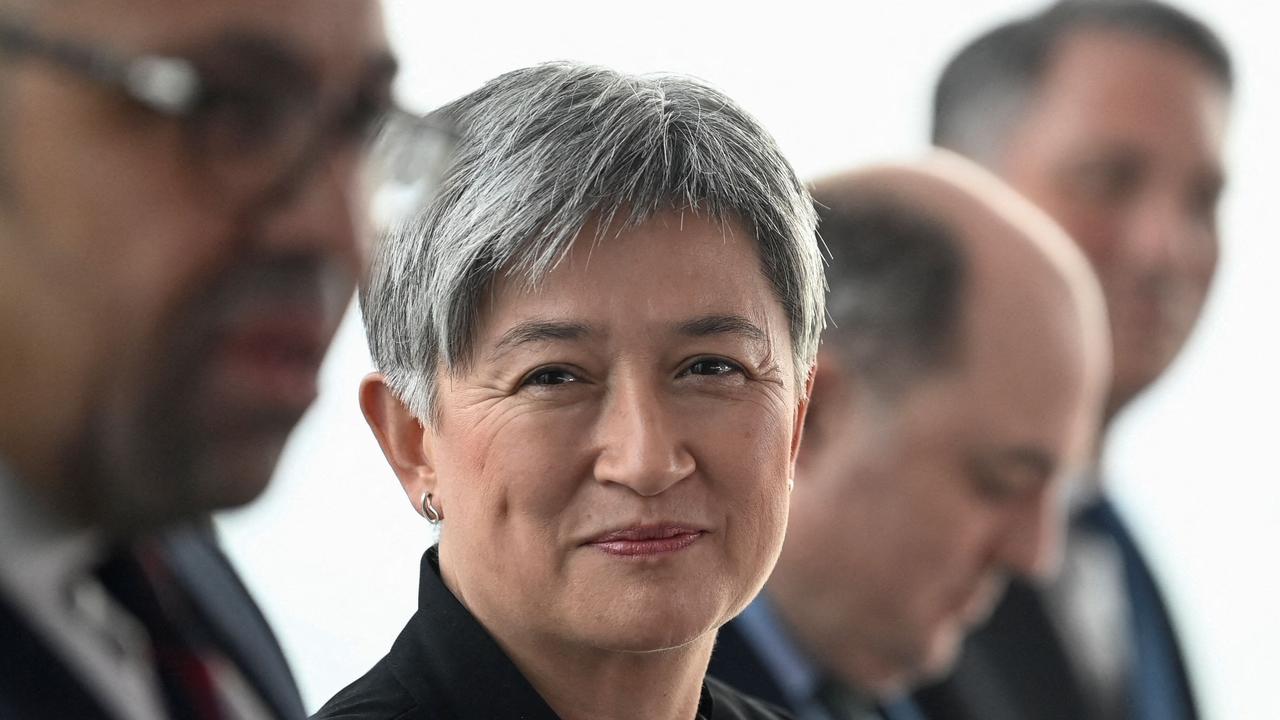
<point x="911" y="511"/>
<point x="648" y="379"/>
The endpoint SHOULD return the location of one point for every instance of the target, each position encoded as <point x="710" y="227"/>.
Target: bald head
<point x="913" y="246"/>
<point x="959" y="389"/>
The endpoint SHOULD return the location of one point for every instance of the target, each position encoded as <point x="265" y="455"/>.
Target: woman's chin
<point x="655" y="628"/>
<point x="652" y="640"/>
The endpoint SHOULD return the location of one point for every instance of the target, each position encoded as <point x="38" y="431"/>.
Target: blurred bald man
<point x="181" y="215"/>
<point x="959" y="386"/>
<point x="1111" y="116"/>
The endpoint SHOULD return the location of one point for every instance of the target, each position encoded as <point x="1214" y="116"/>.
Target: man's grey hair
<point x="984" y="90"/>
<point x="897" y="277"/>
<point x="547" y="150"/>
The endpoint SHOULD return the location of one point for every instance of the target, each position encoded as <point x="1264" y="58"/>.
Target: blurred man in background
<point x="961" y="381"/>
<point x="180" y="230"/>
<point x="1110" y="116"/>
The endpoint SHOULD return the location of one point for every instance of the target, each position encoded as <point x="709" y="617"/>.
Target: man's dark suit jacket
<point x="736" y="663"/>
<point x="35" y="685"/>
<point x="446" y="666"/>
<point x="1016" y="667"/>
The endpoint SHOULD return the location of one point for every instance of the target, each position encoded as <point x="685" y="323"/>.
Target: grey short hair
<point x="898" y="278"/>
<point x="984" y="89"/>
<point x="542" y="152"/>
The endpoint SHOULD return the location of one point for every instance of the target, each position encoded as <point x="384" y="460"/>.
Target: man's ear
<point x="404" y="439"/>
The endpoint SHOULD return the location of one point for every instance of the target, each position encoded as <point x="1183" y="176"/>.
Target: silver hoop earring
<point x="429" y="510"/>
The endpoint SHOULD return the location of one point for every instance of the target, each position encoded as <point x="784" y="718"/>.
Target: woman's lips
<point x="647" y="540"/>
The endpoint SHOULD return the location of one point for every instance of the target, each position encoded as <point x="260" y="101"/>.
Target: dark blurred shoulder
<point x="731" y="704"/>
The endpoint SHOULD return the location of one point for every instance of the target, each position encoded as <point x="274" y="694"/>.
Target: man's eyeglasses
<point x="252" y="140"/>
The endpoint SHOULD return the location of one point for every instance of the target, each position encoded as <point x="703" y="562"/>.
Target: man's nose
<point x="638" y="443"/>
<point x="1031" y="545"/>
<point x="322" y="211"/>
<point x="1163" y="231"/>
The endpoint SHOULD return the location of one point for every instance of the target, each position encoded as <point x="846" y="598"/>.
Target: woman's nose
<point x="639" y="443"/>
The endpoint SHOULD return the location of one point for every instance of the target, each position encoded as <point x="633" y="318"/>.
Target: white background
<point x="332" y="549"/>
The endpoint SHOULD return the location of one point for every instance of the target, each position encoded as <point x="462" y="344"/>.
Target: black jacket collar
<point x="446" y="660"/>
<point x="445" y="664"/>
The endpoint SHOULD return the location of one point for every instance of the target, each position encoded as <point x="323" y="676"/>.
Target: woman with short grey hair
<point x="593" y="350"/>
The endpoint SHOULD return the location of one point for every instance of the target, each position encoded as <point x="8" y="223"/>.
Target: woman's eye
<point x="552" y="376"/>
<point x="713" y="366"/>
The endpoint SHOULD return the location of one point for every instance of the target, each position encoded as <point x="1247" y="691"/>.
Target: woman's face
<point x="613" y="466"/>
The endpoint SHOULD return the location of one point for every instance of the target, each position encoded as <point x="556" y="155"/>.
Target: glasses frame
<point x="174" y="87"/>
<point x="166" y="85"/>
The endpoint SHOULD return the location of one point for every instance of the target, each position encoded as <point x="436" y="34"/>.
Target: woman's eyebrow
<point x="541" y="331"/>
<point x="738" y="325"/>
<point x="538" y="331"/>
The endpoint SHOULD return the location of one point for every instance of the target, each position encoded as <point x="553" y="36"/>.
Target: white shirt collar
<point x="41" y="555"/>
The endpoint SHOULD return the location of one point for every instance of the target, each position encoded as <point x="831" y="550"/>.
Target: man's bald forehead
<point x="896" y="274"/>
<point x="908" y="240"/>
<point x="941" y="185"/>
<point x="959" y="191"/>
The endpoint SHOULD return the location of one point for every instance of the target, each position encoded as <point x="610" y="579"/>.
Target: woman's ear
<point x="830" y="392"/>
<point x="800" y="421"/>
<point x="405" y="441"/>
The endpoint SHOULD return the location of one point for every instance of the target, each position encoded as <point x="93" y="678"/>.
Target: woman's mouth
<point x="647" y="540"/>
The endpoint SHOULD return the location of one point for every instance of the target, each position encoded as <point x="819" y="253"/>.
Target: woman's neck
<point x="606" y="685"/>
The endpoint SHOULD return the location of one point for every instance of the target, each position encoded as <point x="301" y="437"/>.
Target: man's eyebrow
<point x="1037" y="460"/>
<point x="709" y="325"/>
<point x="277" y="61"/>
<point x="270" y="59"/>
<point x="538" y="331"/>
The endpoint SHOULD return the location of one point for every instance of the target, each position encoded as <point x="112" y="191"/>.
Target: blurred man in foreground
<point x="961" y="382"/>
<point x="1110" y="116"/>
<point x="180" y="230"/>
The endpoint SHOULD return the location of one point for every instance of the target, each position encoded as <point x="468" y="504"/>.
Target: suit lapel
<point x="1160" y="685"/>
<point x="34" y="683"/>
<point x="235" y="622"/>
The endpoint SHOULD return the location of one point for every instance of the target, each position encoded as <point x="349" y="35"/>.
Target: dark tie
<point x="843" y="703"/>
<point x="138" y="579"/>
<point x="1156" y="687"/>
